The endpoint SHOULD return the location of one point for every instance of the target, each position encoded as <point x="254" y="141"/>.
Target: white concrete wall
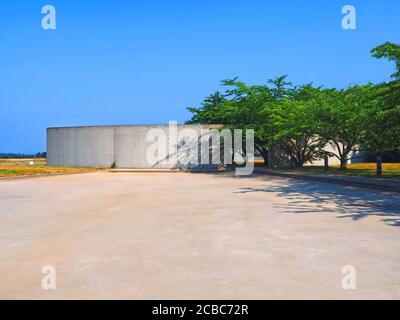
<point x="100" y="146"/>
<point x="331" y="160"/>
<point x="80" y="146"/>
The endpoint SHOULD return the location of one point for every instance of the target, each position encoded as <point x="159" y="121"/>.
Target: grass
<point x="23" y="160"/>
<point x="38" y="169"/>
<point x="389" y="170"/>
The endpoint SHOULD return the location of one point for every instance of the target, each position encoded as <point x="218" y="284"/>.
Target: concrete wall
<point x="101" y="146"/>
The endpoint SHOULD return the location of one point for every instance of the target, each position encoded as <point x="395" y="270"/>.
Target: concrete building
<point x="124" y="146"/>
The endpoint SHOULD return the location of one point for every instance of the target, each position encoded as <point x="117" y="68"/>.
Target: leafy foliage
<point x="301" y="121"/>
<point x="383" y="133"/>
<point x="391" y="52"/>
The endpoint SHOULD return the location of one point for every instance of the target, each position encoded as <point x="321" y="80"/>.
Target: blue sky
<point x="144" y="62"/>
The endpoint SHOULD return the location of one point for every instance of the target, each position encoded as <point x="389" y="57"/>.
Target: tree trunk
<point x="343" y="164"/>
<point x="265" y="157"/>
<point x="296" y="163"/>
<point x="326" y="163"/>
<point x="263" y="151"/>
<point x="379" y="166"/>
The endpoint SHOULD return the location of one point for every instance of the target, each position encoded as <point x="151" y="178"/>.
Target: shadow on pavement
<point x="306" y="196"/>
<point x="350" y="202"/>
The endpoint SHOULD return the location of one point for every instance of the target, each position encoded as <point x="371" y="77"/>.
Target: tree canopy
<point x="301" y="120"/>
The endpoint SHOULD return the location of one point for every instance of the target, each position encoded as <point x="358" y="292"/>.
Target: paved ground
<point x="177" y="235"/>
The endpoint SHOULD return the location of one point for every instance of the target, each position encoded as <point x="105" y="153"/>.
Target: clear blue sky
<point x="133" y="62"/>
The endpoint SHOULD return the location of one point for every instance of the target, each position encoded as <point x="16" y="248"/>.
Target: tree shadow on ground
<point x="305" y="196"/>
<point x="318" y="197"/>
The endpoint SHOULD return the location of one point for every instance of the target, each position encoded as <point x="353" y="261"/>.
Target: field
<point x="9" y="170"/>
<point x="23" y="160"/>
<point x="389" y="170"/>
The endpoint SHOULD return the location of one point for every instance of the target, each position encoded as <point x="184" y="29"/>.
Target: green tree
<point x="239" y="107"/>
<point x="280" y="88"/>
<point x="300" y="121"/>
<point x="210" y="112"/>
<point x="249" y="105"/>
<point x="294" y="123"/>
<point x="383" y="130"/>
<point x="383" y="126"/>
<point x="391" y="52"/>
<point x="342" y="116"/>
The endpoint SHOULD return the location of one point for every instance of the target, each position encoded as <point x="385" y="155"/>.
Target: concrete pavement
<point x="196" y="236"/>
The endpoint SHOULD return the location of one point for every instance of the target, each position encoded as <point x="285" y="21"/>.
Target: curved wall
<point x="101" y="146"/>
